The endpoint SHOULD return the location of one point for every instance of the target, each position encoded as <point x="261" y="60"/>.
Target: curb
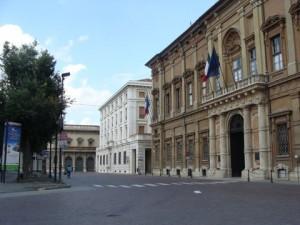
<point x="52" y="187"/>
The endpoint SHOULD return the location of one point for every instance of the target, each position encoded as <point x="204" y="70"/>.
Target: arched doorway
<point x="90" y="164"/>
<point x="68" y="162"/>
<point x="237" y="145"/>
<point x="79" y="164"/>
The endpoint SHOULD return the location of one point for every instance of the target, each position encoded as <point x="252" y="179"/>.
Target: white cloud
<point x="83" y="38"/>
<point x="48" y="41"/>
<point x="15" y="35"/>
<point x="74" y="68"/>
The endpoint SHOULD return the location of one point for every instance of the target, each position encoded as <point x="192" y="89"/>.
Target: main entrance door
<point x="148" y="169"/>
<point x="237" y="145"/>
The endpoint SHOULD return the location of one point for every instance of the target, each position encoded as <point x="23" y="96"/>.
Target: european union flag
<point x="214" y="65"/>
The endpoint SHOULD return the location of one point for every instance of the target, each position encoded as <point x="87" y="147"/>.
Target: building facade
<point x="125" y="134"/>
<point x="81" y="151"/>
<point x="244" y="122"/>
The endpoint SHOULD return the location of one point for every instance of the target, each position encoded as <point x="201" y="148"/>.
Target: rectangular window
<point x="168" y="152"/>
<point x="276" y="53"/>
<point x="141" y="94"/>
<point x="282" y="139"/>
<point x="100" y="159"/>
<point x="190" y="94"/>
<point x="177" y="91"/>
<point x="124" y="157"/>
<point x="190" y="149"/>
<point x="167" y="103"/>
<point x="120" y="158"/>
<point x="141" y="130"/>
<point x="120" y="116"/>
<point x="253" y="65"/>
<point x="125" y="114"/>
<point x="179" y="150"/>
<point x="115" y="158"/>
<point x="205" y="148"/>
<point x="103" y="160"/>
<point x="141" y="112"/>
<point x="237" y="69"/>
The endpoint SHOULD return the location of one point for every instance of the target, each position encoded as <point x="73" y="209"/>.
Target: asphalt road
<point x="138" y="200"/>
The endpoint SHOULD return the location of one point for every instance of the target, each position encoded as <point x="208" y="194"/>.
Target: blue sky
<point x="102" y="43"/>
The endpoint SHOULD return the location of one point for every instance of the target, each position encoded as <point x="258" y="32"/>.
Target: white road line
<point x="125" y="186"/>
<point x="112" y="186"/>
<point x="151" y="185"/>
<point x="177" y="183"/>
<point x="137" y="185"/>
<point x="163" y="184"/>
<point x="197" y="192"/>
<point x="98" y="185"/>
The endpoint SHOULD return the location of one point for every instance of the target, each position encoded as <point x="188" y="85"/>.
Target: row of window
<point x="237" y="75"/>
<point x="282" y="146"/>
<point x="118" y="159"/>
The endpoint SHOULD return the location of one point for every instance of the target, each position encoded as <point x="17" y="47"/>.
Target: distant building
<point x="244" y="122"/>
<point x="125" y="134"/>
<point x="81" y="150"/>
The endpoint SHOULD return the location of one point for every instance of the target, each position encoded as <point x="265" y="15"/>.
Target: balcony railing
<point x="251" y="80"/>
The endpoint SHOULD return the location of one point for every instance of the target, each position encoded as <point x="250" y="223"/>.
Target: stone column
<point x="258" y="19"/>
<point x="196" y="80"/>
<point x="197" y="151"/>
<point x="223" y="152"/>
<point x="247" y="138"/>
<point x="291" y="50"/>
<point x="243" y="44"/>
<point x="161" y="149"/>
<point x="161" y="109"/>
<point x="263" y="148"/>
<point x="173" y="105"/>
<point x="212" y="145"/>
<point x="73" y="161"/>
<point x="185" y="165"/>
<point x="173" y="172"/>
<point x="84" y="163"/>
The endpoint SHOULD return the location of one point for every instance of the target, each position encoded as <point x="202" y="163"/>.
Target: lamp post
<point x="297" y="163"/>
<point x="63" y="76"/>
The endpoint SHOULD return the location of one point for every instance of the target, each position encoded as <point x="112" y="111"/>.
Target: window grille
<point x="282" y="139"/>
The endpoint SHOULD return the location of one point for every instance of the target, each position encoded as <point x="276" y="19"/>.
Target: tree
<point x="31" y="94"/>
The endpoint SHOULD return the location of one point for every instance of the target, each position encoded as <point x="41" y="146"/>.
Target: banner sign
<point x="63" y="140"/>
<point x="12" y="139"/>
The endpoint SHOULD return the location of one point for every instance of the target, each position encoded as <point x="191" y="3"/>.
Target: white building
<point x="125" y="134"/>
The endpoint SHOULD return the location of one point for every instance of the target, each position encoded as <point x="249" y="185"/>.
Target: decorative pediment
<point x="200" y="66"/>
<point x="155" y="91"/>
<point x="79" y="140"/>
<point x="232" y="42"/>
<point x="295" y="12"/>
<point x="176" y="80"/>
<point x="188" y="73"/>
<point x="272" y="22"/>
<point x="166" y="86"/>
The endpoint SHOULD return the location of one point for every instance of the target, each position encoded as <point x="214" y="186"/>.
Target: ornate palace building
<point x="246" y="122"/>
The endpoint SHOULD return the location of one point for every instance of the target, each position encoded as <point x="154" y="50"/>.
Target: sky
<point x="102" y="43"/>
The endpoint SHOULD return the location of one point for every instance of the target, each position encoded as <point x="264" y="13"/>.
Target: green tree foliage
<point x="30" y="94"/>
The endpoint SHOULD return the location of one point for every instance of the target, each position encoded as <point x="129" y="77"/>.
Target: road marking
<point x="163" y="184"/>
<point x="151" y="185"/>
<point x="125" y="186"/>
<point x="197" y="192"/>
<point x="177" y="183"/>
<point x="98" y="185"/>
<point x="138" y="185"/>
<point x="112" y="186"/>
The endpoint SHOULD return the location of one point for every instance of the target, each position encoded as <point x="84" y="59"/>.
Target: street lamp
<point x="63" y="76"/>
<point x="297" y="163"/>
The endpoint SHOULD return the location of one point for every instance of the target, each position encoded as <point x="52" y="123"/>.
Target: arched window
<point x="232" y="56"/>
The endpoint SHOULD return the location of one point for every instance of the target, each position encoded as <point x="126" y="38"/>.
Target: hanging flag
<point x="204" y="76"/>
<point x="147" y="105"/>
<point x="214" y="65"/>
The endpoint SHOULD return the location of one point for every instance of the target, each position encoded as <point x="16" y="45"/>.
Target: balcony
<point x="246" y="84"/>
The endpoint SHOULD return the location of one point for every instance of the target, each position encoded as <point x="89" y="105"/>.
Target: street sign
<point x="63" y="140"/>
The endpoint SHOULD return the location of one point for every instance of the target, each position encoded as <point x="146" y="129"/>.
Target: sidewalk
<point x="32" y="184"/>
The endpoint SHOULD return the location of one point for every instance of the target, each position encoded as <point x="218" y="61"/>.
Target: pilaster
<point x="212" y="146"/>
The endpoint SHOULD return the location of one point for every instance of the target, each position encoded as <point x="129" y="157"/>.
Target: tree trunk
<point x="27" y="159"/>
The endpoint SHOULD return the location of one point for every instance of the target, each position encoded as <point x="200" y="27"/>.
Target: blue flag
<point x="214" y="65"/>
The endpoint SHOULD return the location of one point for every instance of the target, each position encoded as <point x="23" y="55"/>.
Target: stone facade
<point x="125" y="134"/>
<point x="80" y="153"/>
<point x="244" y="122"/>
